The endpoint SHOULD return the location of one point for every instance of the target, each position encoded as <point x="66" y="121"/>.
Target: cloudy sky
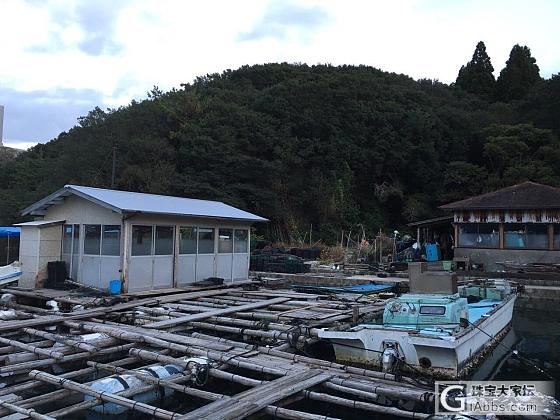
<point x="61" y="58"/>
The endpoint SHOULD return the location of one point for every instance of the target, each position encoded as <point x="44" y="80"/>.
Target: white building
<point x="147" y="241"/>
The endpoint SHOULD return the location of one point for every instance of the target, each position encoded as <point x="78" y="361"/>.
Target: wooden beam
<point x="258" y="398"/>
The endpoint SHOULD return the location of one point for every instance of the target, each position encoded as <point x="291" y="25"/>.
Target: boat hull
<point x="451" y="356"/>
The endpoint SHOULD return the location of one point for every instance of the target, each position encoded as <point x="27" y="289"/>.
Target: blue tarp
<point x="10" y="231"/>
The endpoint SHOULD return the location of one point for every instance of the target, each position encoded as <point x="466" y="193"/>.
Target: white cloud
<point x="121" y="49"/>
<point x="16" y="144"/>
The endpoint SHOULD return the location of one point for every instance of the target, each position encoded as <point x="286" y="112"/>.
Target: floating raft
<point x="363" y="289"/>
<point x="231" y="352"/>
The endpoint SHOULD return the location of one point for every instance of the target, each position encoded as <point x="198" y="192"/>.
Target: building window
<point x="111" y="241"/>
<point x="479" y="235"/>
<point x="76" y="243"/>
<point x="164" y="240"/>
<point x="141" y="240"/>
<point x="240" y="240"/>
<point x="187" y="240"/>
<point x="225" y="244"/>
<point x="205" y="240"/>
<point x="556" y="236"/>
<point x="531" y="235"/>
<point x="514" y="235"/>
<point x="92" y="239"/>
<point x="67" y="239"/>
<point x="537" y="236"/>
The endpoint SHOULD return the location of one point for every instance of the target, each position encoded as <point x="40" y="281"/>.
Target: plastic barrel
<point x="114" y="287"/>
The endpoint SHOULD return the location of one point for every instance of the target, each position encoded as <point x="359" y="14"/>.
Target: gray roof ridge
<point x="136" y="192"/>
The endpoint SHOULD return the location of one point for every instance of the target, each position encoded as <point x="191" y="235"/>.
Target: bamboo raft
<point x="241" y="351"/>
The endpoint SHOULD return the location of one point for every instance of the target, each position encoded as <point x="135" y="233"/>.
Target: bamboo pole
<point x="85" y="405"/>
<point x="30" y="413"/>
<point x="211" y="396"/>
<point x="208" y="314"/>
<point x="104" y="396"/>
<point x="37" y="350"/>
<point x="61" y="339"/>
<point x="27" y="366"/>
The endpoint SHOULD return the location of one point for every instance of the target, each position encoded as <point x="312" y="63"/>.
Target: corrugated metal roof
<point x="130" y="202"/>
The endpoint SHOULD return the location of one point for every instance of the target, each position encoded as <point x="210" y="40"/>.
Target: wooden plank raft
<point x="203" y="315"/>
<point x="256" y="399"/>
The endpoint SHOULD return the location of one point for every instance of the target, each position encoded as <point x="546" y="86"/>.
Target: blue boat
<point x="362" y="289"/>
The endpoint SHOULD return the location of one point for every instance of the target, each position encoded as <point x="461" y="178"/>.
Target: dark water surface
<point x="536" y="335"/>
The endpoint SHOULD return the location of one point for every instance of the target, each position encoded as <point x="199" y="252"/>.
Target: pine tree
<point x="476" y="76"/>
<point x="519" y="75"/>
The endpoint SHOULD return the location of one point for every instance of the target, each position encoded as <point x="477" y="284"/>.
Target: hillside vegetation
<point x="321" y="146"/>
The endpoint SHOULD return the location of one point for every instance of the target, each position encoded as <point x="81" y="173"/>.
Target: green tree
<point x="476" y="76"/>
<point x="519" y="75"/>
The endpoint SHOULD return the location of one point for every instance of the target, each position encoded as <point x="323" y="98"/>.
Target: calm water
<point x="536" y="334"/>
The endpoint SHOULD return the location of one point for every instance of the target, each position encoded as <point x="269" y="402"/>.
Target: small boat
<point x="363" y="289"/>
<point x="437" y="333"/>
<point x="10" y="273"/>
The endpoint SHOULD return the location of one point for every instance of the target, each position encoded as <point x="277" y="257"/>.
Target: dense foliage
<point x="321" y="146"/>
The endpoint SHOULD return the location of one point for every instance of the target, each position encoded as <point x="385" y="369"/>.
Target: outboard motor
<point x="389" y="359"/>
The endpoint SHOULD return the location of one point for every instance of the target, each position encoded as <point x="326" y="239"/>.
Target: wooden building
<point x="518" y="224"/>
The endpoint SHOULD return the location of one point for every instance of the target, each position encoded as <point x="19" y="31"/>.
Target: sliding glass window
<point x="240" y="240"/>
<point x="225" y="244"/>
<point x="537" y="236"/>
<point x="111" y="241"/>
<point x="205" y="240"/>
<point x="187" y="240"/>
<point x="531" y="235"/>
<point x="479" y="235"/>
<point x="67" y="239"/>
<point x="164" y="240"/>
<point x="141" y="240"/>
<point x="92" y="239"/>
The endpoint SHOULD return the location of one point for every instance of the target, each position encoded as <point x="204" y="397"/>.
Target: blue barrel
<point x="114" y="287"/>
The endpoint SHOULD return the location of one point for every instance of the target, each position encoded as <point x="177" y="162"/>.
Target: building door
<point x="151" y="260"/>
<point x="186" y="260"/>
<point x="71" y="249"/>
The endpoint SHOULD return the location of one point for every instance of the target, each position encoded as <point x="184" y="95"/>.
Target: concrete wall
<point x="489" y="257"/>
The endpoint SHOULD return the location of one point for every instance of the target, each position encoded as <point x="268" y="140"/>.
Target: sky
<point x="61" y="58"/>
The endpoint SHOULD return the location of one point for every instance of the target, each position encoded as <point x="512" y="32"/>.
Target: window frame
<point x="526" y="237"/>
<point x="195" y="230"/>
<point x="459" y="245"/>
<point x="248" y="235"/>
<point x="152" y="241"/>
<point x="103" y="241"/>
<point x="85" y="238"/>
<point x="432" y="307"/>
<point x="230" y="241"/>
<point x="200" y="228"/>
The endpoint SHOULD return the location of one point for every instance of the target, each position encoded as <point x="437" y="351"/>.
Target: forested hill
<point x="331" y="147"/>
